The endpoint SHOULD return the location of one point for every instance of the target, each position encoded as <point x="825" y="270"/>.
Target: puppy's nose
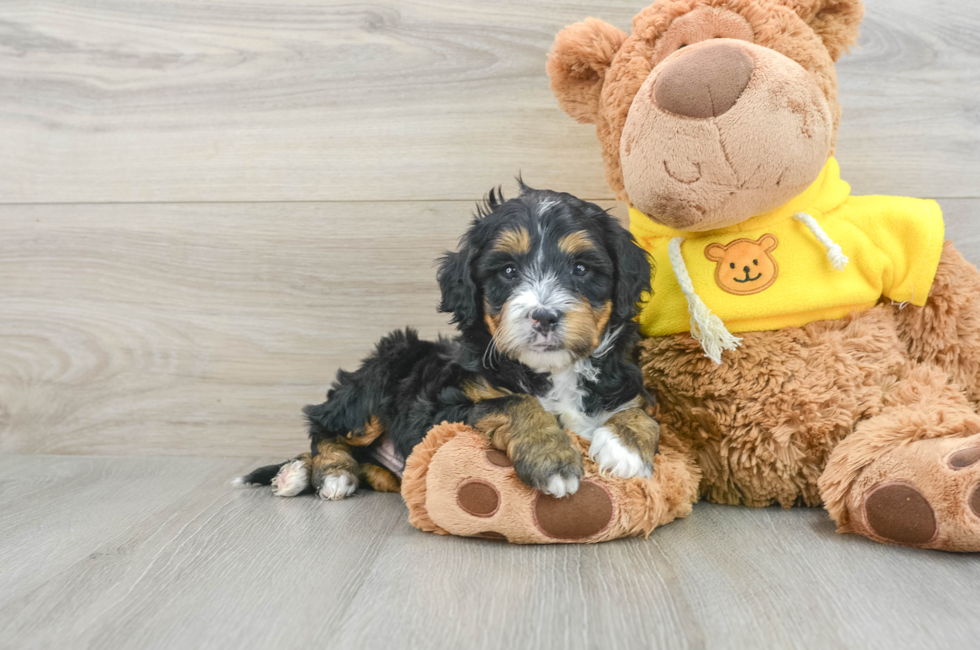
<point x="545" y="319"/>
<point x="705" y="82"/>
<point x="746" y="269"/>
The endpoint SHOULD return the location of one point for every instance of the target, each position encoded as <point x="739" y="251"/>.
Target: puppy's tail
<point x="259" y="476"/>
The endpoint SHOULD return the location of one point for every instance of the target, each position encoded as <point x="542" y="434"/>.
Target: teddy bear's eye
<point x="756" y="262"/>
<point x="732" y="265"/>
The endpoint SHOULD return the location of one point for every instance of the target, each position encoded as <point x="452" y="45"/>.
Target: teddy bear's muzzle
<point x="723" y="130"/>
<point x="705" y="83"/>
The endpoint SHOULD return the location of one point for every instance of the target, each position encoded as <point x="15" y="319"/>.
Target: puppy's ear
<point x="459" y="289"/>
<point x="577" y="65"/>
<point x="632" y="265"/>
<point x="835" y="21"/>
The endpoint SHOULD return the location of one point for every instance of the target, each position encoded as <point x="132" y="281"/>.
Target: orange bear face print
<point x="745" y="266"/>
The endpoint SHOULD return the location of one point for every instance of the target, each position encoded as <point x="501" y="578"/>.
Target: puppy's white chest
<point x="564" y="401"/>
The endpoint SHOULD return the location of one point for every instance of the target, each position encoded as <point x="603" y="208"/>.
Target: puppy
<point x="543" y="291"/>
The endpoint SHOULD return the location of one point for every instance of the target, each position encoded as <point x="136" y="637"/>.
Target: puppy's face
<point x="549" y="276"/>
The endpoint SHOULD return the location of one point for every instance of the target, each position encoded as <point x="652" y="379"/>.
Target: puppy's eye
<point x="756" y="262"/>
<point x="579" y="270"/>
<point x="509" y="272"/>
<point x="732" y="265"/>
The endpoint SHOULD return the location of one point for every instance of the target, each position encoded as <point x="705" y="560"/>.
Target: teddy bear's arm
<point x="909" y="235"/>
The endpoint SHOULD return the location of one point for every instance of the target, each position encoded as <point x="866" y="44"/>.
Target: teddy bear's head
<point x="711" y="111"/>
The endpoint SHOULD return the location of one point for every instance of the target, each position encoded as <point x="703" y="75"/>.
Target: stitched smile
<point x="747" y="278"/>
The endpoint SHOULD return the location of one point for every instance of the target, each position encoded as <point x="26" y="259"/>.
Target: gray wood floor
<point x="159" y="553"/>
<point x="207" y="207"/>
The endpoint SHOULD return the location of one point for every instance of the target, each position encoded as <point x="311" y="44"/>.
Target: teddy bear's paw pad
<point x="478" y="498"/>
<point x="293" y="478"/>
<point x="964" y="458"/>
<point x="492" y="534"/>
<point x="898" y="512"/>
<point x="584" y="514"/>
<point x="498" y="458"/>
<point x="975" y="500"/>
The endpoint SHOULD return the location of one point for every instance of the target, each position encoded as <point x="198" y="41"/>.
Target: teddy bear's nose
<point x="705" y="82"/>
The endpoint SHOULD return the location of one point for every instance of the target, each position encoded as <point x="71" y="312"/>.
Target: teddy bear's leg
<point x="911" y="474"/>
<point x="946" y="331"/>
<point x="457" y="483"/>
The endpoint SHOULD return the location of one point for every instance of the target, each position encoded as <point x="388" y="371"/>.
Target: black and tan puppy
<point x="543" y="291"/>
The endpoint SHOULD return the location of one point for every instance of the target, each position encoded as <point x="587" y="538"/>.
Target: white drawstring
<point x="834" y="252"/>
<point x="706" y="328"/>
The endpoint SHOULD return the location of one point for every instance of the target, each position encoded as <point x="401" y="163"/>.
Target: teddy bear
<point x="807" y="346"/>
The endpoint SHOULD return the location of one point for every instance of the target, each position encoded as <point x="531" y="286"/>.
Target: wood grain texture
<point x="161" y="553"/>
<point x="274" y="100"/>
<point x="201" y="329"/>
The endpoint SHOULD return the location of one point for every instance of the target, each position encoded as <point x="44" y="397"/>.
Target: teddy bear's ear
<point x="834" y="21"/>
<point x="577" y="65"/>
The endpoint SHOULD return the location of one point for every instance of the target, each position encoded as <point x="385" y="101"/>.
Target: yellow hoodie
<point x="774" y="270"/>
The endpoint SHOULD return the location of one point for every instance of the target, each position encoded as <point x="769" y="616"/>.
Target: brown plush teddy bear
<point x="807" y="346"/>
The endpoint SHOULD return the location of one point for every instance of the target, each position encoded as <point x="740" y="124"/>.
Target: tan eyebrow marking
<point x="513" y="241"/>
<point x="575" y="243"/>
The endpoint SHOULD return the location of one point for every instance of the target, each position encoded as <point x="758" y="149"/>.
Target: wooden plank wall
<point x="208" y="207"/>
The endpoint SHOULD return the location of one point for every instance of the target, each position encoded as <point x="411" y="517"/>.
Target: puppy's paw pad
<point x="292" y="479"/>
<point x="898" y="512"/>
<point x="337" y="486"/>
<point x="614" y="458"/>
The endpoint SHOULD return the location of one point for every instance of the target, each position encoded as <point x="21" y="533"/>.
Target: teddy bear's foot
<point x="923" y="493"/>
<point x="455" y="483"/>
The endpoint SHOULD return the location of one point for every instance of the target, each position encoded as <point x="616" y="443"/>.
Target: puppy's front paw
<point x="553" y="466"/>
<point x="337" y="486"/>
<point x="615" y="458"/>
